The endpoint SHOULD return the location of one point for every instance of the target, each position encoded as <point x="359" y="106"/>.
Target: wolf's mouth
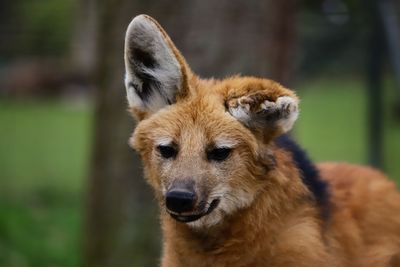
<point x="194" y="217"/>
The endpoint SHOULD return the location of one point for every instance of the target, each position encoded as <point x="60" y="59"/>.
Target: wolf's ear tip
<point x="142" y="24"/>
<point x="142" y="17"/>
<point x="139" y="19"/>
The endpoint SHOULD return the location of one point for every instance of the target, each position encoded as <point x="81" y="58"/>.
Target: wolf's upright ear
<point x="268" y="113"/>
<point x="156" y="73"/>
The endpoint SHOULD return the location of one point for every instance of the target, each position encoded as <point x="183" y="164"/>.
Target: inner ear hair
<point x="267" y="119"/>
<point x="153" y="66"/>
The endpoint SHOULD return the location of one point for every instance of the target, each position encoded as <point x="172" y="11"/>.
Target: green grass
<point x="333" y="124"/>
<point x="43" y="161"/>
<point x="44" y="156"/>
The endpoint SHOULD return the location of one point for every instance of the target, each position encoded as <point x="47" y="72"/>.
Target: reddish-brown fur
<point x="282" y="225"/>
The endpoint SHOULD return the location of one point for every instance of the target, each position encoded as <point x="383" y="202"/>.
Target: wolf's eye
<point x="219" y="154"/>
<point x="167" y="151"/>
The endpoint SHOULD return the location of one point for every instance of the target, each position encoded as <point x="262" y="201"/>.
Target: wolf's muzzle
<point x="180" y="200"/>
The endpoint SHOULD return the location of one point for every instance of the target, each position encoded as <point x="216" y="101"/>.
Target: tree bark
<point x="121" y="226"/>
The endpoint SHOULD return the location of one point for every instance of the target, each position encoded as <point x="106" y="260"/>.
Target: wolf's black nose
<point x="179" y="200"/>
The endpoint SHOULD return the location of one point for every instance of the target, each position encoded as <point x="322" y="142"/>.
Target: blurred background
<point x="72" y="191"/>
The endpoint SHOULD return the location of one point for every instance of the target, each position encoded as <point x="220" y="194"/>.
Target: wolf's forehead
<point x="185" y="128"/>
<point x="195" y="124"/>
<point x="194" y="139"/>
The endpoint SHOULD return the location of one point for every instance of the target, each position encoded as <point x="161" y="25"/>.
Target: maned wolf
<point x="234" y="190"/>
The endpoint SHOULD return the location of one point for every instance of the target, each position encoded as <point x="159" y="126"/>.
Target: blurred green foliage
<point x="333" y="123"/>
<point x="49" y="25"/>
<point x="44" y="157"/>
<point x="36" y="28"/>
<point x="43" y="143"/>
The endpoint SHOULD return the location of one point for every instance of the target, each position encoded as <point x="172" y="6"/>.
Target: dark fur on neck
<point x="309" y="173"/>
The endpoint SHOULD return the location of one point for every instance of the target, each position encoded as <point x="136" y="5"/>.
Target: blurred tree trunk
<point x="218" y="38"/>
<point x="121" y="220"/>
<point x="283" y="44"/>
<point x="84" y="45"/>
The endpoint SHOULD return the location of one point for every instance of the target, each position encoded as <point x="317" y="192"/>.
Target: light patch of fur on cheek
<point x="217" y="215"/>
<point x="230" y="202"/>
<point x="208" y="221"/>
<point x="237" y="199"/>
<point x="214" y="217"/>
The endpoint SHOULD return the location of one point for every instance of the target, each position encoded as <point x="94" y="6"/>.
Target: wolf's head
<point x="205" y="144"/>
